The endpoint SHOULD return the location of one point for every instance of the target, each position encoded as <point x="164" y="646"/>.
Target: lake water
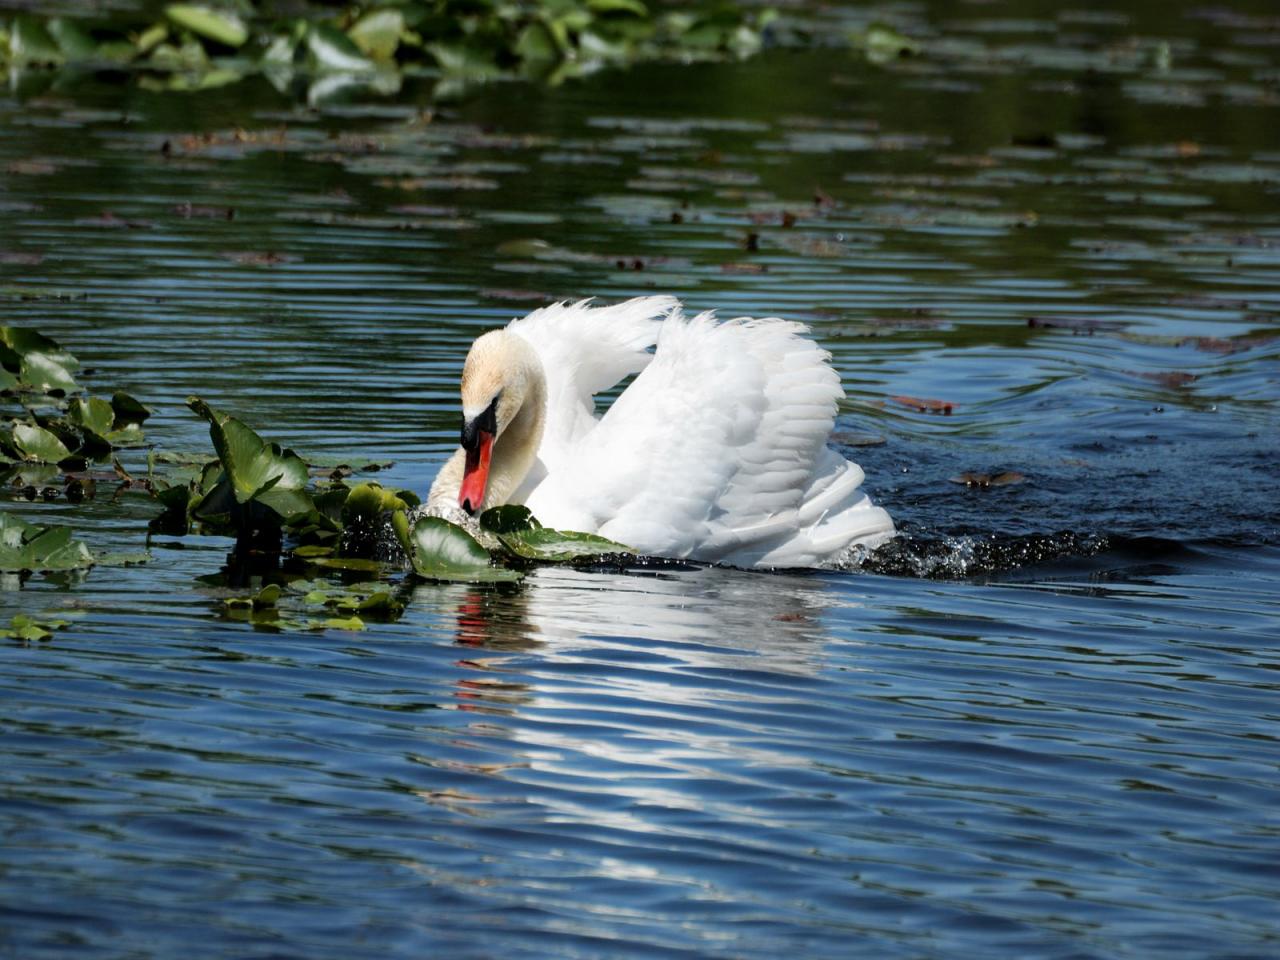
<point x="1043" y="723"/>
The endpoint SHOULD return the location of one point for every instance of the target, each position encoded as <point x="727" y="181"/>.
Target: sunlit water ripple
<point x="1063" y="744"/>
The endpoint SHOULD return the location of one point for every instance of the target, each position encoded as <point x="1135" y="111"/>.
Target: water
<point x="1043" y="724"/>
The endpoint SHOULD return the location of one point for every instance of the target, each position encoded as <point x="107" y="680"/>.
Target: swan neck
<point x="516" y="449"/>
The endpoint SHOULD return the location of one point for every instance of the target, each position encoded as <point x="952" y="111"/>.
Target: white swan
<point x="715" y="452"/>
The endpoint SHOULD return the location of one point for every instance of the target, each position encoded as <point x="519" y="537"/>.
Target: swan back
<point x="717" y="451"/>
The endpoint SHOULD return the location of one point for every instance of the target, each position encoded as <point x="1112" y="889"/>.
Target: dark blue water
<point x="1041" y="724"/>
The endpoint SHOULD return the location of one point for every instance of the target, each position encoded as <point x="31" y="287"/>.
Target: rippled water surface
<point x="1042" y="723"/>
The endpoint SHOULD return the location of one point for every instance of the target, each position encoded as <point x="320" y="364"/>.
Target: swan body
<point x="717" y="451"/>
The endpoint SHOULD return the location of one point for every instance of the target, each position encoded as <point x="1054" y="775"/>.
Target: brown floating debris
<point x="925" y="405"/>
<point x="188" y="211"/>
<point x="743" y="268"/>
<point x="858" y="439"/>
<point x="506" y="293"/>
<point x="1222" y="345"/>
<point x="1086" y="325"/>
<point x="21" y="258"/>
<point x="31" y="168"/>
<point x="1166" y="378"/>
<point x="268" y="258"/>
<point x="984" y="481"/>
<point x="111" y="221"/>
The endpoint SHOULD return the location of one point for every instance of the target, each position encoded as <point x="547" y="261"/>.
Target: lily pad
<point x="25" y="546"/>
<point x="522" y="534"/>
<point x="257" y="470"/>
<point x="27" y="629"/>
<point x="214" y="24"/>
<point x="38" y="445"/>
<point x="377" y="33"/>
<point x="127" y="409"/>
<point x="440" y="550"/>
<point x="332" y="49"/>
<point x="367" y="501"/>
<point x="43" y="372"/>
<point x="30" y="42"/>
<point x="265" y="598"/>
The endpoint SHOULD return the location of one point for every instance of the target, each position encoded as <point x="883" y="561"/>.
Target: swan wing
<point x="585" y="350"/>
<point x="717" y="451"/>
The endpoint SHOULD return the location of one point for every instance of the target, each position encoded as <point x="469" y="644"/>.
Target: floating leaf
<point x="265" y="598"/>
<point x="221" y="26"/>
<point x="367" y="501"/>
<point x="27" y="629"/>
<point x="537" y="43"/>
<point x="349" y="623"/>
<point x="618" y="6"/>
<point x="377" y="33"/>
<point x="73" y="40"/>
<point x="43" y="372"/>
<point x="334" y="50"/>
<point x="257" y="470"/>
<point x="523" y="535"/>
<point x="92" y="414"/>
<point x="39" y="445"/>
<point x="508" y="518"/>
<point x="882" y="44"/>
<point x="30" y="42"/>
<point x="560" y="546"/>
<point x="127" y="409"/>
<point x="24" y="546"/>
<point x="440" y="550"/>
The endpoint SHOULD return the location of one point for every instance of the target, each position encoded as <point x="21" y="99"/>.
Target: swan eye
<point x="487" y="422"/>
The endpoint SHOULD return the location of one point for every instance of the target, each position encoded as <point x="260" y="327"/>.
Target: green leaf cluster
<point x="25" y="547"/>
<point x="36" y="370"/>
<point x="443" y="551"/>
<point x="315" y="605"/>
<point x="200" y="45"/>
<point x="26" y="629"/>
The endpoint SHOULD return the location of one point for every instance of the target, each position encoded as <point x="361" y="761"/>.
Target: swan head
<point x="497" y="379"/>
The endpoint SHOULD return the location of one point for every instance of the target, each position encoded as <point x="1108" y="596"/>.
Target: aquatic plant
<point x="197" y="46"/>
<point x="26" y="547"/>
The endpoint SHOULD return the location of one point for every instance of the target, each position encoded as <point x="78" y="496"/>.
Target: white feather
<point x="716" y="452"/>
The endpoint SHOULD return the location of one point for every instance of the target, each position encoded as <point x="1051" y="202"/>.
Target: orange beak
<point x="476" y="473"/>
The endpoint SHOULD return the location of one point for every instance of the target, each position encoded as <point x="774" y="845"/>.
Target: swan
<point x="716" y="451"/>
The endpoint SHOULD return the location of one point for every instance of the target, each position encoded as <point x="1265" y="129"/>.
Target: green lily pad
<point x="127" y="409"/>
<point x="28" y="629"/>
<point x="38" y="445"/>
<point x="377" y="33"/>
<point x="30" y="42"/>
<point x="73" y="40"/>
<point x="44" y="372"/>
<point x="98" y="420"/>
<point x="367" y="501"/>
<point x="92" y="414"/>
<point x="23" y="341"/>
<point x="221" y="26"/>
<point x="266" y="598"/>
<point x="882" y="44"/>
<point x="440" y="550"/>
<point x="334" y="50"/>
<point x="337" y="623"/>
<point x="257" y="470"/>
<point x="618" y="6"/>
<point x="350" y="564"/>
<point x="24" y="546"/>
<point x="522" y="534"/>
